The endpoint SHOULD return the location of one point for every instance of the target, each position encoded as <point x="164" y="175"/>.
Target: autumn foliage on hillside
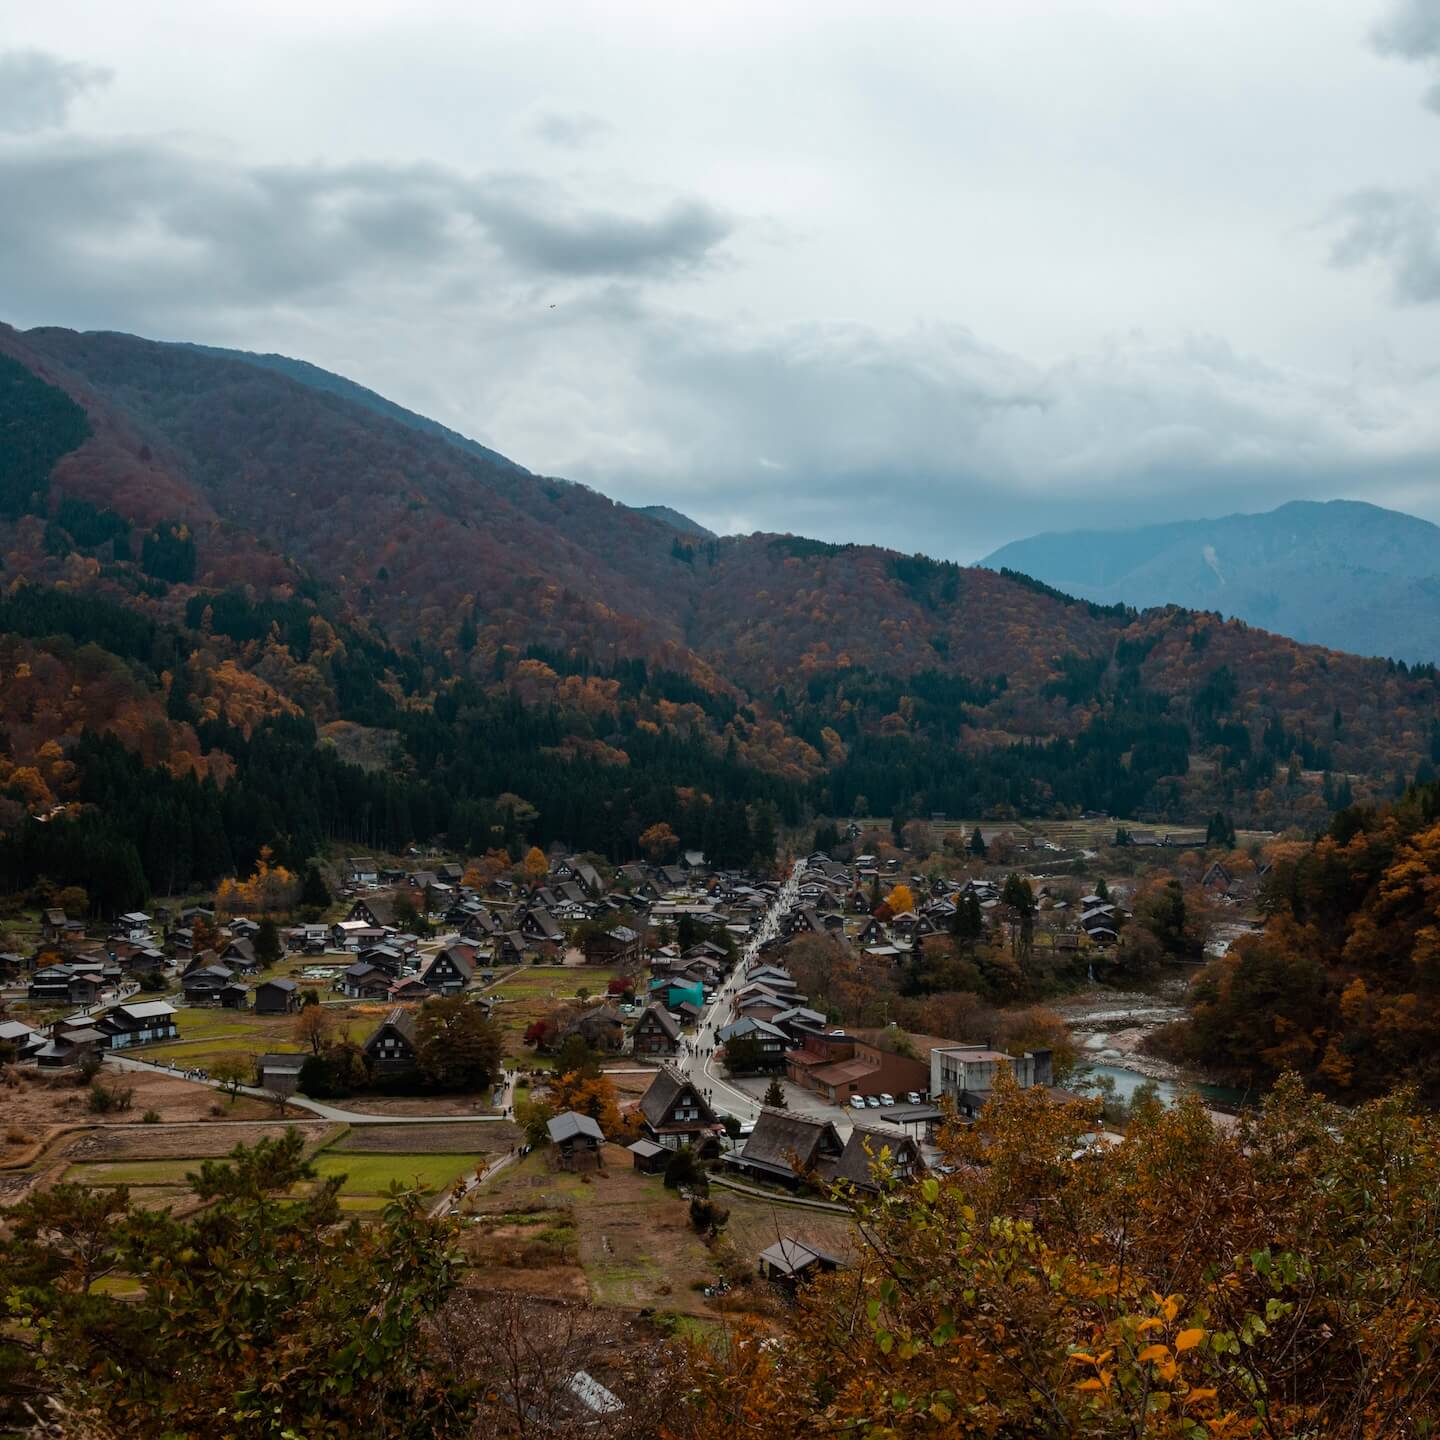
<point x="1188" y="1283"/>
<point x="1343" y="985"/>
<point x="251" y="551"/>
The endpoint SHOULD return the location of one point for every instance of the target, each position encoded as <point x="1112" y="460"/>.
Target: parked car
<point x="857" y="1102"/>
<point x="886" y="1098"/>
<point x="912" y="1097"/>
<point x="873" y="1101"/>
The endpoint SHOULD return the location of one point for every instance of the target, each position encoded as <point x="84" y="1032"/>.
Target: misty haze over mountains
<point x="1341" y="573"/>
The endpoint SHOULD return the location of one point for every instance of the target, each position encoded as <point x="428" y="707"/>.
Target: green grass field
<point x="198" y="1053"/>
<point x="132" y="1172"/>
<point x="367" y="1177"/>
<point x="559" y="982"/>
<point x="374" y="1174"/>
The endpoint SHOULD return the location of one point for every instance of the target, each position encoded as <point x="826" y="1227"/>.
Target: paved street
<point x="698" y="1063"/>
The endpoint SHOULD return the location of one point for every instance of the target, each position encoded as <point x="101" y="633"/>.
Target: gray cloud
<point x="36" y="89"/>
<point x="124" y="224"/>
<point x="568" y="129"/>
<point x="535" y="232"/>
<point x="1399" y="229"/>
<point x="435" y="286"/>
<point x="932" y="439"/>
<point x="1412" y="31"/>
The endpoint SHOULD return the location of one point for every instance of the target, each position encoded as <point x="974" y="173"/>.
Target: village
<point x="651" y="1086"/>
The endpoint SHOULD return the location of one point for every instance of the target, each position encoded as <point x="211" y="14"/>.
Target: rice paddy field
<point x="154" y="1163"/>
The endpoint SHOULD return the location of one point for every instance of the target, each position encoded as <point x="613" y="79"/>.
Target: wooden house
<point x="391" y="1047"/>
<point x="789" y="1261"/>
<point x="656" y="1033"/>
<point x="578" y="1141"/>
<point x="675" y="1114"/>
<point x="277" y="997"/>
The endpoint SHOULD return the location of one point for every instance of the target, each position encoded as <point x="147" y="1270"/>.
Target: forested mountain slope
<point x="214" y="564"/>
<point x="1342" y="573"/>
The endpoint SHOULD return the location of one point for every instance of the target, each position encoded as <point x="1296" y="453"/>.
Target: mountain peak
<point x="1343" y="573"/>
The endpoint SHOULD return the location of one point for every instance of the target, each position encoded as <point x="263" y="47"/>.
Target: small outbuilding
<point x="650" y="1158"/>
<point x="577" y="1140"/>
<point x="277" y="997"/>
<point x="789" y="1261"/>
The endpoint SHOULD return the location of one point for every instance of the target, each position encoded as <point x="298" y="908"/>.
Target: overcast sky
<point x="936" y="276"/>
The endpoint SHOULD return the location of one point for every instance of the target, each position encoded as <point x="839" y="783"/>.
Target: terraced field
<point x="485" y="1138"/>
<point x="370" y="1176"/>
<point x="154" y="1162"/>
<point x="629" y="1236"/>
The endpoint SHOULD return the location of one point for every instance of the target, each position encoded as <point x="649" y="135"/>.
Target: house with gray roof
<point x="656" y="1032"/>
<point x="578" y="1141"/>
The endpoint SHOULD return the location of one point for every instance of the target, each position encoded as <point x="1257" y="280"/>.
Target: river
<point x="1109" y="1027"/>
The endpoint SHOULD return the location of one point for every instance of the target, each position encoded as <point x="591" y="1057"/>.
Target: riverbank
<point x="1111" y="1026"/>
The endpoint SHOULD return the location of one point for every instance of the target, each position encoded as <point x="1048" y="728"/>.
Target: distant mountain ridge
<point x="219" y="562"/>
<point x="1341" y="573"/>
<point x="683" y="523"/>
<point x="333" y="384"/>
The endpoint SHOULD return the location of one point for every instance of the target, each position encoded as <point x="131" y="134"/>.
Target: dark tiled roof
<point x="788" y="1141"/>
<point x="663" y="1018"/>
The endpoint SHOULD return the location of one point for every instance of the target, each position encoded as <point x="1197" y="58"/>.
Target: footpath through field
<point x="302" y="1102"/>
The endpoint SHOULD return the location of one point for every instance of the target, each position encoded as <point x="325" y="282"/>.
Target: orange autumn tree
<point x="535" y="865"/>
<point x="1343" y="984"/>
<point x="270" y="890"/>
<point x="1185" y="1284"/>
<point x="659" y="841"/>
<point x="592" y="1095"/>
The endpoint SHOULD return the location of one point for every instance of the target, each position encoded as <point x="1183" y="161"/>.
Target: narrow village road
<point x="697" y="1061"/>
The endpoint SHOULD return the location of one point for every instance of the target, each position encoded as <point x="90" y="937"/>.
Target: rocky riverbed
<point x="1109" y="1026"/>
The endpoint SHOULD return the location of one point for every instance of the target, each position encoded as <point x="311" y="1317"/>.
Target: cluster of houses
<point x="837" y="899"/>
<point x="76" y="1038"/>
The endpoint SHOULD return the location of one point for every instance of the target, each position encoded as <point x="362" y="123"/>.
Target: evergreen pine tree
<point x="267" y="943"/>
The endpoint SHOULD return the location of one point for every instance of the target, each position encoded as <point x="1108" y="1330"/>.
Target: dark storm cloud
<point x="1411" y="30"/>
<point x="36" y="89"/>
<point x="1399" y="229"/>
<point x="122" y="221"/>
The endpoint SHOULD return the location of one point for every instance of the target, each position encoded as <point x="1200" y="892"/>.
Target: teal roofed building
<point x="674" y="993"/>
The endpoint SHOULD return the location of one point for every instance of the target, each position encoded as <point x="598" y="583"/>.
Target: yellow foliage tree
<point x="270" y="890"/>
<point x="900" y="899"/>
<point x="535" y="865"/>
